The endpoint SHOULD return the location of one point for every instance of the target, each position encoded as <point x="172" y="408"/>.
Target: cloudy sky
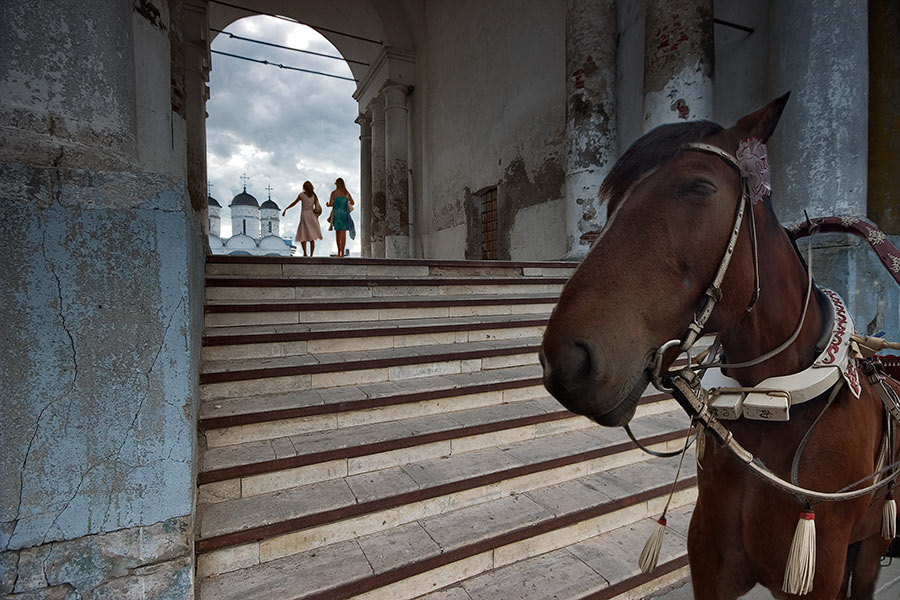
<point x="278" y="126"/>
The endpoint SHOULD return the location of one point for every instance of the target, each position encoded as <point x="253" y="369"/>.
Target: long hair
<point x="308" y="189"/>
<point x="339" y="184"/>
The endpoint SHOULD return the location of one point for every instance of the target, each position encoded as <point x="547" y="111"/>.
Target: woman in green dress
<point x="342" y="203"/>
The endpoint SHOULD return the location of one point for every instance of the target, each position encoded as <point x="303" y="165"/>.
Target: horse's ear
<point x="761" y="124"/>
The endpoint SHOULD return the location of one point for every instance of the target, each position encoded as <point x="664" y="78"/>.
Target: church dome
<point x="244" y="199"/>
<point x="270" y="205"/>
<point x="214" y="202"/>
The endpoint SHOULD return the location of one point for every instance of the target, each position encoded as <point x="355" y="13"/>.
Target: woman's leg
<point x="341" y="237"/>
<point x="312" y="247"/>
<point x="303" y="244"/>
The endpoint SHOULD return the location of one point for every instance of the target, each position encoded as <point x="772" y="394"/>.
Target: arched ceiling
<point x="384" y="21"/>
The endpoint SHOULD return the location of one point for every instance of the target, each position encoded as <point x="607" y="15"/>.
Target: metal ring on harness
<point x="656" y="372"/>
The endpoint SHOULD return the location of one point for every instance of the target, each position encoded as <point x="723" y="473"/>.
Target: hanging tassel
<point x="801" y="564"/>
<point x="889" y="518"/>
<point x="650" y="554"/>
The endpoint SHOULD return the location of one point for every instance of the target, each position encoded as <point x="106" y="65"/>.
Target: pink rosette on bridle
<point x="754" y="164"/>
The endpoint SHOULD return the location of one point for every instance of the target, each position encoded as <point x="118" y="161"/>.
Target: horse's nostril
<point x="581" y="357"/>
<point x="567" y="367"/>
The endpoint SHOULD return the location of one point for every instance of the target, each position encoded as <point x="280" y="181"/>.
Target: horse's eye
<point x="701" y="189"/>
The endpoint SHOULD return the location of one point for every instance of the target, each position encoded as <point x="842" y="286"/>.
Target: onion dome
<point x="214" y="202"/>
<point x="270" y="205"/>
<point x="244" y="199"/>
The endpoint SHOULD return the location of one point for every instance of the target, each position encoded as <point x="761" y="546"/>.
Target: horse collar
<point x="772" y="398"/>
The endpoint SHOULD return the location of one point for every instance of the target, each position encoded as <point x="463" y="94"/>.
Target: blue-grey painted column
<point x="819" y="52"/>
<point x="101" y="304"/>
<point x="678" y="61"/>
<point x="592" y="143"/>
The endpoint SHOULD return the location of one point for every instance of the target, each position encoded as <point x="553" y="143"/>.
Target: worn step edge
<point x="259" y="533"/>
<point x="548" y="533"/>
<point x="213" y="475"/>
<point x="261" y="480"/>
<point x="351" y="261"/>
<point x="665" y="575"/>
<point x="427" y="281"/>
<point x="345" y="406"/>
<point x="272" y="429"/>
<point x="317" y="304"/>
<point x="348" y="333"/>
<point x="359" y="365"/>
<point x="303" y="460"/>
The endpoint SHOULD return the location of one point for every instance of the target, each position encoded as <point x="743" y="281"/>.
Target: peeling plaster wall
<point x="495" y="116"/>
<point x="101" y="305"/>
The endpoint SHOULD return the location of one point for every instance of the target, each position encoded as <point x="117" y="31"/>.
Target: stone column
<point x="396" y="161"/>
<point x="376" y="235"/>
<point x="591" y="133"/>
<point x="196" y="57"/>
<point x="365" y="178"/>
<point x="102" y="300"/>
<point x="678" y="61"/>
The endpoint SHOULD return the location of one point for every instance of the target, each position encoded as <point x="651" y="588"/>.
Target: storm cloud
<point x="278" y="126"/>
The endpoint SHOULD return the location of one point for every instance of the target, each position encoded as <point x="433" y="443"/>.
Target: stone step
<point x="293" y="288"/>
<point x="375" y="402"/>
<point x="268" y="341"/>
<point x="271" y="525"/>
<point x="229" y="313"/>
<point x="248" y="468"/>
<point x="235" y="378"/>
<point x="422" y="552"/>
<point x="332" y="408"/>
<point x="252" y="468"/>
<point x="355" y="267"/>
<point x="599" y="568"/>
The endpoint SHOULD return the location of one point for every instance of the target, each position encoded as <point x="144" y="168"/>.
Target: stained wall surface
<point x="494" y="112"/>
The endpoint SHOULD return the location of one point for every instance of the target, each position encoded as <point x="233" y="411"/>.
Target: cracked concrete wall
<point x="101" y="305"/>
<point x="494" y="109"/>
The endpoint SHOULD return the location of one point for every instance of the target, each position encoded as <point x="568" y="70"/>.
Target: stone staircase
<point x="378" y="429"/>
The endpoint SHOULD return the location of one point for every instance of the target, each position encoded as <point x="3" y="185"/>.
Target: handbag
<point x="317" y="208"/>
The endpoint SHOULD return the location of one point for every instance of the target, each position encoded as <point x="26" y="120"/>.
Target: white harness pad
<point x="772" y="398"/>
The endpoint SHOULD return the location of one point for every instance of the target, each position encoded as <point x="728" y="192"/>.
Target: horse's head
<point x="671" y="212"/>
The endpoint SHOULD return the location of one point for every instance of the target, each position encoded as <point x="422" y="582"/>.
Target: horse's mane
<point x="650" y="151"/>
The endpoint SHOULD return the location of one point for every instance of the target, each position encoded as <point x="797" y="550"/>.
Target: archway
<point x="270" y="129"/>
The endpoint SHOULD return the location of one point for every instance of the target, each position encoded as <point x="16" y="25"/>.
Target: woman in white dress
<point x="310" y="209"/>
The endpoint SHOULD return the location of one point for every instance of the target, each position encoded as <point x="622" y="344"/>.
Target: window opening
<point x="489" y="225"/>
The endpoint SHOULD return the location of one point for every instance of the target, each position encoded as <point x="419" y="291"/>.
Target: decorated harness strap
<point x="772" y="398"/>
<point x="887" y="252"/>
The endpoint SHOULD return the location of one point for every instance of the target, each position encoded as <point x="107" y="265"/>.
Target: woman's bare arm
<point x="291" y="204"/>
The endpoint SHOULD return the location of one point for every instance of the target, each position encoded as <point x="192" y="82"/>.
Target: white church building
<point x="255" y="229"/>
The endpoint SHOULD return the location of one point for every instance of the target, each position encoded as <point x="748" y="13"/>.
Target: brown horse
<point x="672" y="211"/>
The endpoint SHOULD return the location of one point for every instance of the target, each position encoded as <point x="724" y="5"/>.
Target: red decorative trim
<point x="840" y="317"/>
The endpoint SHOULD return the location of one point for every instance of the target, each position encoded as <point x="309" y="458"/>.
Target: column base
<point x="396" y="246"/>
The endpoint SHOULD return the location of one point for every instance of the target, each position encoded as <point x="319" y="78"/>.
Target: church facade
<point x="521" y="105"/>
<point x="255" y="228"/>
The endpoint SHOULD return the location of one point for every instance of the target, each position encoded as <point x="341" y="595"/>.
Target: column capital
<point x="395" y="95"/>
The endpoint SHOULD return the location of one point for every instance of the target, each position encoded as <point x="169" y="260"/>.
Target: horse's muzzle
<point x="574" y="375"/>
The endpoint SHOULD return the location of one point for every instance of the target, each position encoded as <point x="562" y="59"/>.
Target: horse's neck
<point x="783" y="284"/>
